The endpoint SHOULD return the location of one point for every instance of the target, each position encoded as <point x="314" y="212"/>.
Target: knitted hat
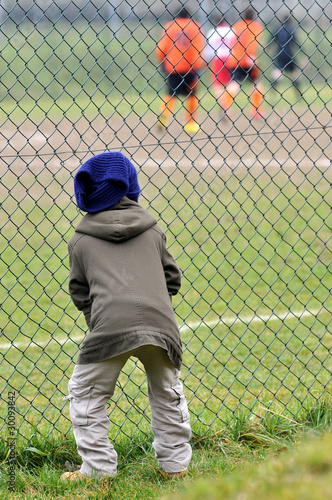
<point x="103" y="180"/>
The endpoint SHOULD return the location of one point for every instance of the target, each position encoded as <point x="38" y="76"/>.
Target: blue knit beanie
<point x="103" y="180"/>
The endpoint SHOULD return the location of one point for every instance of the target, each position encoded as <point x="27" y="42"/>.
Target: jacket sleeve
<point x="79" y="287"/>
<point x="171" y="270"/>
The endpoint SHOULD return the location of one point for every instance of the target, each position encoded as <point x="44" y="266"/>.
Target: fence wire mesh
<point x="245" y="203"/>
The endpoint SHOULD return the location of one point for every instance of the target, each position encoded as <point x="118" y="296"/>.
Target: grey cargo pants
<point x="92" y="385"/>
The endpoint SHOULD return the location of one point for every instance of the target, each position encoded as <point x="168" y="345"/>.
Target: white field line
<point x="263" y="318"/>
<point x="217" y="163"/>
<point x="227" y="320"/>
<point x="185" y="163"/>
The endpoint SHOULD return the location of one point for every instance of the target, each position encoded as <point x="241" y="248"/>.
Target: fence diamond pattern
<point x="245" y="203"/>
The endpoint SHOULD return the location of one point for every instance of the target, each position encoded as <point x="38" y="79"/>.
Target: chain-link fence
<point x="245" y="201"/>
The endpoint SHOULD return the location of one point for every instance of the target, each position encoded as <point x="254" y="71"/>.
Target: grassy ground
<point x="254" y="312"/>
<point x="229" y="459"/>
<point x="305" y="473"/>
<point x="252" y="243"/>
<point x="253" y="309"/>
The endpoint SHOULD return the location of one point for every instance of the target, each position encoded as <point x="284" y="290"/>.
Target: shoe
<point x="191" y="127"/>
<point x="73" y="476"/>
<point x="162" y="123"/>
<point x="171" y="475"/>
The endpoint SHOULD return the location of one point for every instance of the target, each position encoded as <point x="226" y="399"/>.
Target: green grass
<point x="253" y="246"/>
<point x="232" y="453"/>
<point x="305" y="473"/>
<point x="251" y="250"/>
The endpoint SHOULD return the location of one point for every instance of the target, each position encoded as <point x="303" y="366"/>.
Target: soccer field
<point x="247" y="213"/>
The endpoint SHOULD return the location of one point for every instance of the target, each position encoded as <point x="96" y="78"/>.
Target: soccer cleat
<point x="163" y="123"/>
<point x="191" y="127"/>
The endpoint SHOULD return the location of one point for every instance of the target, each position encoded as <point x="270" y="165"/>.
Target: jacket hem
<point x="128" y="341"/>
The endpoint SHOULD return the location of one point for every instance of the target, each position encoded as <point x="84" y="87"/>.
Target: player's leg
<point x="257" y="101"/>
<point x="257" y="95"/>
<point x="233" y="87"/>
<point x="218" y="91"/>
<point x="231" y="91"/>
<point x="276" y="75"/>
<point x="191" y="103"/>
<point x="295" y="77"/>
<point x="222" y="77"/>
<point x="191" y="124"/>
<point x="168" y="102"/>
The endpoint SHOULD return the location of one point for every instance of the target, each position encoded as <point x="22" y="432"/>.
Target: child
<point x="122" y="277"/>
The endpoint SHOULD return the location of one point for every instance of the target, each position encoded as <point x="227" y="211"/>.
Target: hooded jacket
<point x="121" y="278"/>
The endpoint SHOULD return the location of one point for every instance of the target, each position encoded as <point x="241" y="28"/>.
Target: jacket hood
<point x="119" y="223"/>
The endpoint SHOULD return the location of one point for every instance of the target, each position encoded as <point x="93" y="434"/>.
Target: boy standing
<point x="122" y="277"/>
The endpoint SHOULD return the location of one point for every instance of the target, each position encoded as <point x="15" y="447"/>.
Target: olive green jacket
<point x="122" y="277"/>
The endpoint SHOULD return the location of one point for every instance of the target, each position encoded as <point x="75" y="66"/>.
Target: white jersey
<point x="220" y="40"/>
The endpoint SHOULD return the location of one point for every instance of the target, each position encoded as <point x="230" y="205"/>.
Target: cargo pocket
<point x="182" y="404"/>
<point x="79" y="397"/>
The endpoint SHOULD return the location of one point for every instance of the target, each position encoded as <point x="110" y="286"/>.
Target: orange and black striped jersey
<point x="181" y="46"/>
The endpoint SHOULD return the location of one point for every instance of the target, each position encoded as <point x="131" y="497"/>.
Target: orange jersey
<point x="181" y="46"/>
<point x="246" y="47"/>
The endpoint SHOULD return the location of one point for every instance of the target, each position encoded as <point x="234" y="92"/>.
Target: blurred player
<point x="287" y="46"/>
<point x="180" y="51"/>
<point x="220" y="40"/>
<point x="243" y="60"/>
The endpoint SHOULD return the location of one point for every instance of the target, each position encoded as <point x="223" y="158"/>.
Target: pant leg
<point x="90" y="388"/>
<point x="169" y="411"/>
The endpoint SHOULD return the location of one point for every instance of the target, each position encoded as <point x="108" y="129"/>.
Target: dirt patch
<point x="290" y="139"/>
